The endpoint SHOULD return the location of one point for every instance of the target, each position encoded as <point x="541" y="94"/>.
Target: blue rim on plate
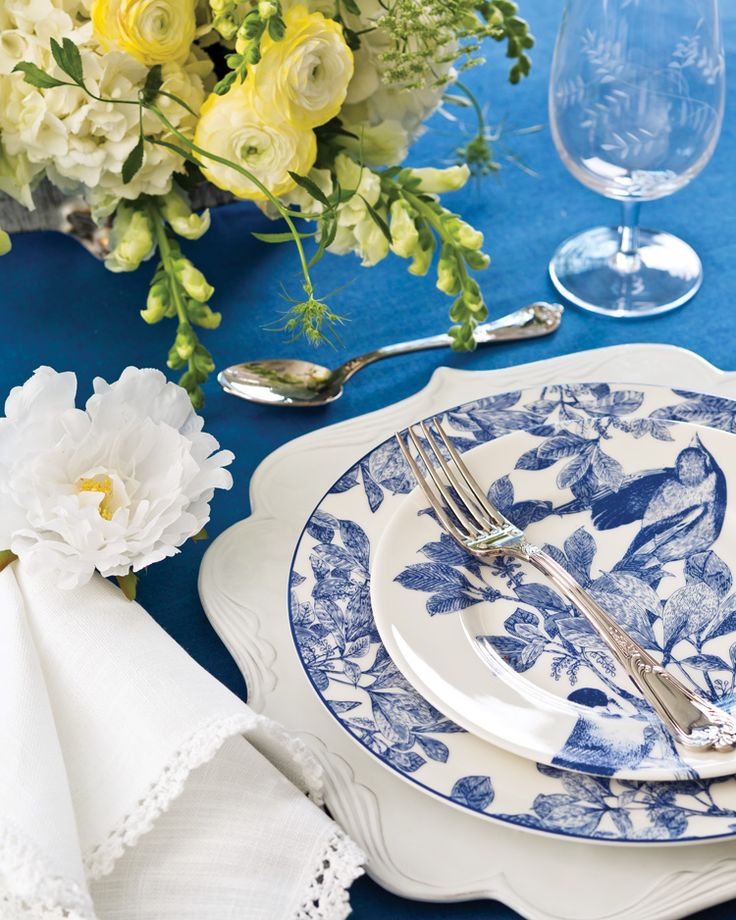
<point x="349" y="668"/>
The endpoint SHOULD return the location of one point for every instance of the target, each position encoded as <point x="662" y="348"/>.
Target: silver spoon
<point x="300" y="383"/>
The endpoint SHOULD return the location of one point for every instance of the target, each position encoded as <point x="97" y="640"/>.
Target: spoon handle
<point x="527" y="323"/>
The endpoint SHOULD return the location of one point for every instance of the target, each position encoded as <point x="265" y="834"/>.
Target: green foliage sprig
<point x="425" y="33"/>
<point x="264" y="19"/>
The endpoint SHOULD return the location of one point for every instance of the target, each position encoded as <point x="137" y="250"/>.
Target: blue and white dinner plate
<point x="339" y="646"/>
<point x="639" y="517"/>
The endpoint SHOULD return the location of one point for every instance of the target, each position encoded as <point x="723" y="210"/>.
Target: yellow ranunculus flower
<point x="231" y="127"/>
<point x="303" y="79"/>
<point x="152" y="31"/>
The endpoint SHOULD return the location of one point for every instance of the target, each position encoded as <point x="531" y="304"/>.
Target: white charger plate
<point x="242" y="582"/>
<point x="638" y="514"/>
<point x="352" y="672"/>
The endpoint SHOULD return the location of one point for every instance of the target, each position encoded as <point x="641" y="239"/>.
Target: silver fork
<point x="472" y="521"/>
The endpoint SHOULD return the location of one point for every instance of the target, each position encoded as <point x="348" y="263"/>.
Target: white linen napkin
<point x="133" y="785"/>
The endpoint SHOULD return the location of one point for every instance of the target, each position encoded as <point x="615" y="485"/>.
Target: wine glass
<point x="636" y="105"/>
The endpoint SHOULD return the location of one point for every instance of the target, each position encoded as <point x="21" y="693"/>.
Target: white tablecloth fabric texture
<point x="134" y="785"/>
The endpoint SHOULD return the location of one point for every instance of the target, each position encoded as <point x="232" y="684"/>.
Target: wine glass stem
<point x="627" y="258"/>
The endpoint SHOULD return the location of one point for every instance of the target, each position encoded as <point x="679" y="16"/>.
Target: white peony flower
<point x="117" y="486"/>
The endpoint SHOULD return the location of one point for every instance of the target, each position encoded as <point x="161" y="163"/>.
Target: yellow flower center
<point x="103" y="485"/>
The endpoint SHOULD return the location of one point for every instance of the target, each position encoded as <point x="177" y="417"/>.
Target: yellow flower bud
<point x="157" y="303"/>
<point x="152" y="31"/>
<point x="184" y="342"/>
<point x="404" y="234"/>
<point x="266" y="9"/>
<point x="423" y="254"/>
<point x="477" y="260"/>
<point x="131" y="240"/>
<point x="193" y="281"/>
<point x="464" y="235"/>
<point x="473" y="297"/>
<point x="201" y="315"/>
<point x="448" y="280"/>
<point x="441" y="180"/>
<point x="182" y="219"/>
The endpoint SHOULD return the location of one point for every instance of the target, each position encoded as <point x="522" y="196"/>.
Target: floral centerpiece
<point x="307" y="108"/>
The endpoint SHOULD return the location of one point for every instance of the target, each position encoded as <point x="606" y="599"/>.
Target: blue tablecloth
<point x="60" y="307"/>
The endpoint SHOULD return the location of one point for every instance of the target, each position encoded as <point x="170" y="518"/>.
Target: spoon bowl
<point x="282" y="382"/>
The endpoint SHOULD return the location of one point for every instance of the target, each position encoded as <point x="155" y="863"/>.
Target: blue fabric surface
<point x="62" y="308"/>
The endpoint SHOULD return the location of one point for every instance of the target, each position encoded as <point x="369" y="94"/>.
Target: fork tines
<point x="449" y="486"/>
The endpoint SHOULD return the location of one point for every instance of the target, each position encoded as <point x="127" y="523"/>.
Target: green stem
<point x="476" y="105"/>
<point x="164" y="248"/>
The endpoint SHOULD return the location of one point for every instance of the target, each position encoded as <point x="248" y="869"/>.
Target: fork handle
<point x="695" y="721"/>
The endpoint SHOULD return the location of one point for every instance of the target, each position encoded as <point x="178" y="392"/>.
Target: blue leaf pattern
<point x="474" y="791"/>
<point x="339" y="646"/>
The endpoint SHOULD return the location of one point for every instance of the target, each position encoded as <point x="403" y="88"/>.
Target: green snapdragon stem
<point x="429" y="215"/>
<point x="164" y="248"/>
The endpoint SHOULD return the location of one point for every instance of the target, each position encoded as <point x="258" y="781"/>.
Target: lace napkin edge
<point x="38" y="895"/>
<point x="340" y="863"/>
<point x="198" y="749"/>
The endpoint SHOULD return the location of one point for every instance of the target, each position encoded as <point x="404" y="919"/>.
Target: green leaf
<point x="153" y="84"/>
<point x="276" y="28"/>
<point x="202" y="535"/>
<point x="224" y="85"/>
<point x="69" y="59"/>
<point x="6" y="558"/>
<point x="133" y="161"/>
<point x="37" y="77"/>
<point x="128" y="584"/>
<point x="309" y="186"/>
<point x="282" y="237"/>
<point x="329" y="232"/>
<point x="352" y="7"/>
<point x="378" y="220"/>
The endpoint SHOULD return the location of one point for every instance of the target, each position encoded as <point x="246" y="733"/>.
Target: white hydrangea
<point x="120" y="484"/>
<point x="79" y="141"/>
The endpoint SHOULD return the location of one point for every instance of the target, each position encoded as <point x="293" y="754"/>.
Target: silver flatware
<point x="300" y="383"/>
<point x="471" y="520"/>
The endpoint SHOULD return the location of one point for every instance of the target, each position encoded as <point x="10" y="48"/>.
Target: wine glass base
<point x="589" y="271"/>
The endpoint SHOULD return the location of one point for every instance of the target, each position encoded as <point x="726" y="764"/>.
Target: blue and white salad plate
<point x="503" y="655"/>
<point x="339" y="646"/>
